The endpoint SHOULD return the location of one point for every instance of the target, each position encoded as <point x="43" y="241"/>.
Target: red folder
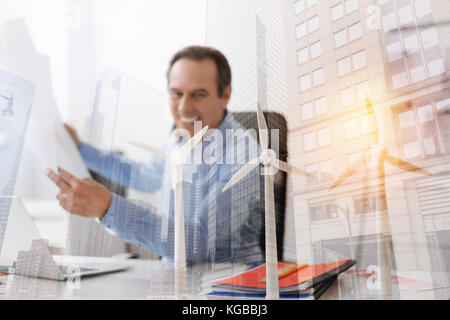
<point x="292" y="283"/>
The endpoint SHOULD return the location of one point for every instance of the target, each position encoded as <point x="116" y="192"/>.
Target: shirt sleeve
<point x="136" y="223"/>
<point x="144" y="177"/>
<point x="140" y="224"/>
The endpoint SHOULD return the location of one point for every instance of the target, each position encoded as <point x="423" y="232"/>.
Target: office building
<point x="339" y="53"/>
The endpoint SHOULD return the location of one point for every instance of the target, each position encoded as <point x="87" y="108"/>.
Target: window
<point x="417" y="74"/>
<point x="359" y="60"/>
<point x="316" y="50"/>
<point x="371" y="158"/>
<point x="299" y="6"/>
<point x="425" y="114"/>
<point x="313" y="24"/>
<point x="405" y="15"/>
<point x="369" y="203"/>
<point x="340" y="38"/>
<point x="302" y="55"/>
<point x="305" y="82"/>
<point x="309" y="141"/>
<point x="321" y="106"/>
<point x="318" y="77"/>
<point x="429" y="38"/>
<point x="421" y="128"/>
<point x="363" y="90"/>
<point x="443" y="107"/>
<point x="411" y="45"/>
<point x="310" y="109"/>
<point x="389" y="22"/>
<point x="429" y="146"/>
<point x="343" y="67"/>
<point x="312" y="171"/>
<point x="320" y="172"/>
<point x="354" y="31"/>
<point x="366" y="125"/>
<point x="337" y="12"/>
<point x="416" y="44"/>
<point x="411" y="150"/>
<point x="351" y="128"/>
<point x="351" y="5"/>
<point x="399" y="80"/>
<point x="394" y="51"/>
<point x="436" y="67"/>
<point x="422" y="8"/>
<point x="322" y="212"/>
<point x="406" y="119"/>
<point x="326" y="171"/>
<point x="347" y="96"/>
<point x="310" y="3"/>
<point x="300" y="30"/>
<point x="307" y="111"/>
<point x="353" y="158"/>
<point x="324" y="137"/>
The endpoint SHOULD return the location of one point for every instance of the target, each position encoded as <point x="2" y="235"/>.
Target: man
<point x="199" y="83"/>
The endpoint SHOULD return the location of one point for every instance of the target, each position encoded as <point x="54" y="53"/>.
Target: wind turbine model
<point x="381" y="156"/>
<point x="177" y="159"/>
<point x="271" y="164"/>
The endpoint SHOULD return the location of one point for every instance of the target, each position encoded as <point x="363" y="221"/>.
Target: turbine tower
<point x="381" y="155"/>
<point x="177" y="159"/>
<point x="271" y="165"/>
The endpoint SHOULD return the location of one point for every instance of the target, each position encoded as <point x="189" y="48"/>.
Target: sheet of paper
<point x="67" y="155"/>
<point x="18" y="56"/>
<point x="46" y="134"/>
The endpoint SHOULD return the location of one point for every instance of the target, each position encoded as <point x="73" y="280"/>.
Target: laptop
<point x="23" y="248"/>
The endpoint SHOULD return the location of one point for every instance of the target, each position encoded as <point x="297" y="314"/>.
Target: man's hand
<point x="83" y="197"/>
<point x="73" y="134"/>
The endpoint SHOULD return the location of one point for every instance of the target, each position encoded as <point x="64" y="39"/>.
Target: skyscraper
<point x="251" y="36"/>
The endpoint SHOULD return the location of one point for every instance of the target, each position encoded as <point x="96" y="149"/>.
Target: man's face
<point x="194" y="94"/>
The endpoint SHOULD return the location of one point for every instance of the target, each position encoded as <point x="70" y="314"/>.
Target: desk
<point x="153" y="279"/>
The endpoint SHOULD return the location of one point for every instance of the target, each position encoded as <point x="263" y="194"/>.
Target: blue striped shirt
<point x="219" y="226"/>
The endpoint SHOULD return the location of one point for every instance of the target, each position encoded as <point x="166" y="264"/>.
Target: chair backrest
<point x="277" y="125"/>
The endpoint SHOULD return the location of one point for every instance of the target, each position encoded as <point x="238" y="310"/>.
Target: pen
<point x="287" y="270"/>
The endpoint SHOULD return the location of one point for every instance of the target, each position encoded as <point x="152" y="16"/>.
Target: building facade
<point x="395" y="53"/>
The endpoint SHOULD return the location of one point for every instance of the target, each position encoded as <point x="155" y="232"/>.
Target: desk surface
<point x="150" y="279"/>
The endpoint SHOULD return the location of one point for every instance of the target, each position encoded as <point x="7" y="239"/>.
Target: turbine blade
<point x="404" y="165"/>
<point x="151" y="149"/>
<point x="262" y="128"/>
<point x="245" y="170"/>
<point x="349" y="172"/>
<point x="283" y="166"/>
<point x="193" y="142"/>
